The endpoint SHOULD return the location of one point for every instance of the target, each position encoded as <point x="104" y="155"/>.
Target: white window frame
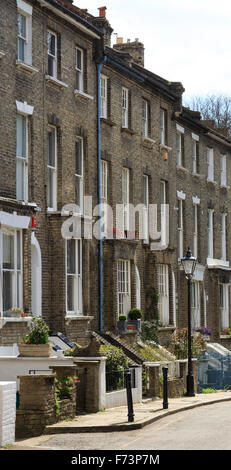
<point x="125" y="197"/>
<point x="223" y="237"/>
<point x="163" y="129"/>
<point x="195" y="156"/>
<point x="223" y="170"/>
<point x="53" y="57"/>
<point x="104" y="181"/>
<point x="210" y="163"/>
<point x="210" y="233"/>
<point x="53" y="170"/>
<point x="163" y="293"/>
<point x="79" y="69"/>
<point x="195" y="304"/>
<point x="144" y="128"/>
<point x="25" y="10"/>
<point x="79" y="177"/>
<point x="76" y="277"/>
<point x="125" y="106"/>
<point x="123" y="286"/>
<point x="180" y="228"/>
<point x="16" y="270"/>
<point x="22" y="161"/>
<point x="224" y="305"/>
<point x="103" y="96"/>
<point x="145" y="187"/>
<point x="195" y="230"/>
<point x="179" y="148"/>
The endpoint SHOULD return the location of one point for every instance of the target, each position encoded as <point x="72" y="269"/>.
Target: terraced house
<point x="82" y="118"/>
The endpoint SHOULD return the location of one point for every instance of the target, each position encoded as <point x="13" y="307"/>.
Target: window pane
<point x="71" y="263"/>
<point x="78" y="59"/>
<point x="70" y="293"/>
<point x="8" y="251"/>
<point x="21" y="123"/>
<point x="21" y="26"/>
<point x="20" y="180"/>
<point x="7" y="290"/>
<point x="78" y="157"/>
<point x="21" y="49"/>
<point x="51" y="148"/>
<point x="51" y="38"/>
<point x="18" y="250"/>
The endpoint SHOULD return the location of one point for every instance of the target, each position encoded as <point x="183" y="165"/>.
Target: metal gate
<point x="213" y="371"/>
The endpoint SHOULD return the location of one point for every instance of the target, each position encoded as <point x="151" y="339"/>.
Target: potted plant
<point x="134" y="319"/>
<point x="14" y="313"/>
<point x="121" y="324"/>
<point x="36" y="342"/>
<point x="206" y="332"/>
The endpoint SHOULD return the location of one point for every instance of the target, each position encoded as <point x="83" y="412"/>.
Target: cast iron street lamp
<point x="189" y="265"/>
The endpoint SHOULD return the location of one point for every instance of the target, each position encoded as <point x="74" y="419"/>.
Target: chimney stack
<point x="135" y="49"/>
<point x="102" y="12"/>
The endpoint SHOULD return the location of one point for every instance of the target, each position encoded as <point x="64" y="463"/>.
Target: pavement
<point x="116" y="419"/>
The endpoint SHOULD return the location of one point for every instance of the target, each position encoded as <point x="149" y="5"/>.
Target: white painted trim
<point x="199" y="272"/>
<point x="179" y="128"/>
<point x="38" y="292"/>
<point x="181" y="195"/>
<point x="24" y="108"/>
<point x="14" y="220"/>
<point x="195" y="137"/>
<point x="196" y="200"/>
<point x="25" y="7"/>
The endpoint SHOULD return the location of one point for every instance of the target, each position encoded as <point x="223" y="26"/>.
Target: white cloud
<point x="184" y="41"/>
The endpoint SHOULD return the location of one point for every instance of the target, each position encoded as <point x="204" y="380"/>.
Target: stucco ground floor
<point x="41" y="273"/>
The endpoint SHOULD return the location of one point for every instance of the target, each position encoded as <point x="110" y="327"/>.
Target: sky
<point x="185" y="41"/>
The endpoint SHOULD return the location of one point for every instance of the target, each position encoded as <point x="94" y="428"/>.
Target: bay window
<point x="11" y="271"/>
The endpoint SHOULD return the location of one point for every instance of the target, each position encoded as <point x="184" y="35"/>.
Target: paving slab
<point x="116" y="419"/>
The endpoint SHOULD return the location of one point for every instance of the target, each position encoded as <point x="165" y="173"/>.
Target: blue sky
<point x="184" y="41"/>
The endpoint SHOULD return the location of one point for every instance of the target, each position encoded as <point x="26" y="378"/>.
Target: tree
<point x="213" y="107"/>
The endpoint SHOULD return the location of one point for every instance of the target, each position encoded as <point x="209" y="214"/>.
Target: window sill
<point x="223" y="186"/>
<point x="165" y="147"/>
<point x="2" y="54"/>
<point x="196" y="175"/>
<point x="107" y="121"/>
<point x="4" y="320"/>
<point x="126" y="130"/>
<point x="182" y="168"/>
<point x="54" y="81"/>
<point x="84" y="96"/>
<point x="211" y="182"/>
<point x="148" y="140"/>
<point x="29" y="69"/>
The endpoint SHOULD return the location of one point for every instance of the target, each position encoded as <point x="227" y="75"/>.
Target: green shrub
<point x="149" y="331"/>
<point x="116" y="362"/>
<point x="123" y="317"/>
<point x="135" y="314"/>
<point x="39" y="332"/>
<point x="179" y="344"/>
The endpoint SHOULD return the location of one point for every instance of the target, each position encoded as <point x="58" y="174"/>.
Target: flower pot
<point x="12" y="314"/>
<point x="121" y="325"/>
<point x="34" y="350"/>
<point x="134" y="325"/>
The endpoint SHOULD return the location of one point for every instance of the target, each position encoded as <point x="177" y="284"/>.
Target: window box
<point x="12" y="314"/>
<point x="54" y="81"/>
<point x="29" y="69"/>
<point x="35" y="350"/>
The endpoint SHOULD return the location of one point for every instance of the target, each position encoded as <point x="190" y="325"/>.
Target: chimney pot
<point x="102" y="12"/>
<point x="120" y="41"/>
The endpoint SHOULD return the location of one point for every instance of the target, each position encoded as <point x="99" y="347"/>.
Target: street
<point x="205" y="428"/>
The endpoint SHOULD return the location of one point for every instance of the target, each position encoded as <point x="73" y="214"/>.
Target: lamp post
<point x="189" y="265"/>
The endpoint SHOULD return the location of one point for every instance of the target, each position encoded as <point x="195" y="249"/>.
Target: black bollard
<point x="165" y="388"/>
<point x="129" y="396"/>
